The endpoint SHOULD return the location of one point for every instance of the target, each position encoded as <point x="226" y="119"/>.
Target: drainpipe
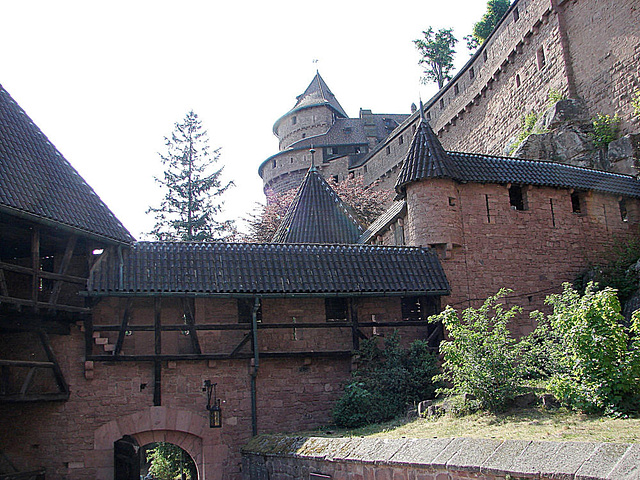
<point x="255" y="363"/>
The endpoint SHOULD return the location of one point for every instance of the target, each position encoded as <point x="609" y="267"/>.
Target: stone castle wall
<point x="581" y="48"/>
<point x="491" y="245"/>
<point x="74" y="439"/>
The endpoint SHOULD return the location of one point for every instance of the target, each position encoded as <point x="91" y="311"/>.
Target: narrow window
<point x="472" y="73"/>
<point x="516" y="14"/>
<point x="334" y="178"/>
<point x="518" y="80"/>
<point x="456" y="90"/>
<point x="553" y="215"/>
<point x="441" y="103"/>
<point x="540" y="57"/>
<point x="245" y="310"/>
<point x="624" y="214"/>
<point x="484" y="55"/>
<point x="291" y="159"/>
<point x="294" y="120"/>
<point x="304" y="135"/>
<point x="400" y="140"/>
<point x="366" y="169"/>
<point x="273" y="164"/>
<point x="336" y="309"/>
<point x="576" y="204"/>
<point x="388" y="150"/>
<point x="398" y="234"/>
<point x="418" y="308"/>
<point x="486" y="201"/>
<point x="517" y="198"/>
<point x="428" y="116"/>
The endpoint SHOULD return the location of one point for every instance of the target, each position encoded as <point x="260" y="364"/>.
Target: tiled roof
<point x="427" y="159"/>
<point x="383" y="221"/>
<point x="317" y="215"/>
<point x="318" y="93"/>
<point x="37" y="181"/>
<point x="269" y="269"/>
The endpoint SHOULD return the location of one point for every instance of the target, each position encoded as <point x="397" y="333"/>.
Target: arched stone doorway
<point x="188" y="430"/>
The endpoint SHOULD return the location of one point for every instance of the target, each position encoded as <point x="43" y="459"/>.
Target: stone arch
<point x="189" y="430"/>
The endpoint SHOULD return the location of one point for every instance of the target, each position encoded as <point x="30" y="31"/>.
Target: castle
<point x="108" y="344"/>
<point x="582" y="50"/>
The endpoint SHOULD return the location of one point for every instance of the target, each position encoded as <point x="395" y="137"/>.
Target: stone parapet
<point x="283" y="457"/>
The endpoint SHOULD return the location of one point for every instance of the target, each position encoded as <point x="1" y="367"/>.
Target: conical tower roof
<point x="426" y="158"/>
<point x="318" y="215"/>
<point x="318" y="93"/>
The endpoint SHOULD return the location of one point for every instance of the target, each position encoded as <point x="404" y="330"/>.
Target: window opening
<point x="428" y="116"/>
<point x="416" y="309"/>
<point x="245" y="310"/>
<point x="624" y="214"/>
<point x="516" y="14"/>
<point x="304" y="135"/>
<point x="576" y="203"/>
<point x="540" y="57"/>
<point x="400" y="140"/>
<point x="273" y="165"/>
<point x="517" y="198"/>
<point x="553" y="215"/>
<point x="336" y="309"/>
<point x="442" y="103"/>
<point x="456" y="89"/>
<point x="484" y="55"/>
<point x="388" y="150"/>
<point x="294" y="120"/>
<point x="472" y="73"/>
<point x="518" y="80"/>
<point x="486" y="200"/>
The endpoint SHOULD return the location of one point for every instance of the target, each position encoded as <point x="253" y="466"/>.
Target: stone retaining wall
<point x="270" y="457"/>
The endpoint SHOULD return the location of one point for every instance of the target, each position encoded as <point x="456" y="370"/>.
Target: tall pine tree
<point x="192" y="188"/>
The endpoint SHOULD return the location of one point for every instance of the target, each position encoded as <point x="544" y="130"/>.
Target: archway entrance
<point x="166" y="461"/>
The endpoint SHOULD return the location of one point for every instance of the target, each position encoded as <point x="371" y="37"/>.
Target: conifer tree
<point x="192" y="188"/>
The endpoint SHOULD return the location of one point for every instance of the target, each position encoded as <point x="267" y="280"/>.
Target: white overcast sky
<point x="106" y="81"/>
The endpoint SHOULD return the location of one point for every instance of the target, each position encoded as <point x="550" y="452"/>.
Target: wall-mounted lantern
<point x="213" y="405"/>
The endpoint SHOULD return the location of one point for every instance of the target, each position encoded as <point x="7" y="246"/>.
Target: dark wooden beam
<point x="242" y="343"/>
<point x="35" y="266"/>
<point x="123" y="326"/>
<point x="62" y="270"/>
<point x="4" y="290"/>
<point x="39" y="397"/>
<point x="4" y="380"/>
<point x="29" y="303"/>
<point x="187" y="306"/>
<point x="353" y="310"/>
<point x="88" y="337"/>
<point x="48" y="275"/>
<point x="25" y="363"/>
<point x="27" y="381"/>
<point x="157" y="364"/>
<point x="57" y="371"/>
<point x="217" y="356"/>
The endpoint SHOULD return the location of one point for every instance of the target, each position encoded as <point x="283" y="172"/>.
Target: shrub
<point x="635" y="103"/>
<point x="386" y="381"/>
<point x="481" y="357"/>
<point x="598" y="367"/>
<point x="527" y="128"/>
<point x="554" y="96"/>
<point x="605" y="129"/>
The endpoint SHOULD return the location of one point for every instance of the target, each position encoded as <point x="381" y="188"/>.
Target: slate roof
<point x="427" y="159"/>
<point x="38" y="182"/>
<point x="237" y="269"/>
<point x="318" y="215"/>
<point x="318" y="93"/>
<point x="383" y="221"/>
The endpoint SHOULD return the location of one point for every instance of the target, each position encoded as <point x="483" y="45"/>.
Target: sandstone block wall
<point x="531" y="251"/>
<point x="292" y="458"/>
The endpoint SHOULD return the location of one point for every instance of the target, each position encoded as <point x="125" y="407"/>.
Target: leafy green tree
<point x="170" y="462"/>
<point x="437" y="50"/>
<point x="192" y="187"/>
<point x="482" y="29"/>
<point x="597" y="364"/>
<point x="386" y="381"/>
<point x="481" y="357"/>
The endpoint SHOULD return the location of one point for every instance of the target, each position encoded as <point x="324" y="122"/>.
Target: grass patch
<point x="521" y="424"/>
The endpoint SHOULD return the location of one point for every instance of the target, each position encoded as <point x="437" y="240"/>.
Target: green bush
<point x="635" y="103"/>
<point x="527" y="128"/>
<point x="596" y="366"/>
<point x="386" y="382"/>
<point x="605" y="129"/>
<point x="554" y="96"/>
<point x="481" y="357"/>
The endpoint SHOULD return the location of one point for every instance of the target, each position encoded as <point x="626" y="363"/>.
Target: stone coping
<point x="566" y="460"/>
